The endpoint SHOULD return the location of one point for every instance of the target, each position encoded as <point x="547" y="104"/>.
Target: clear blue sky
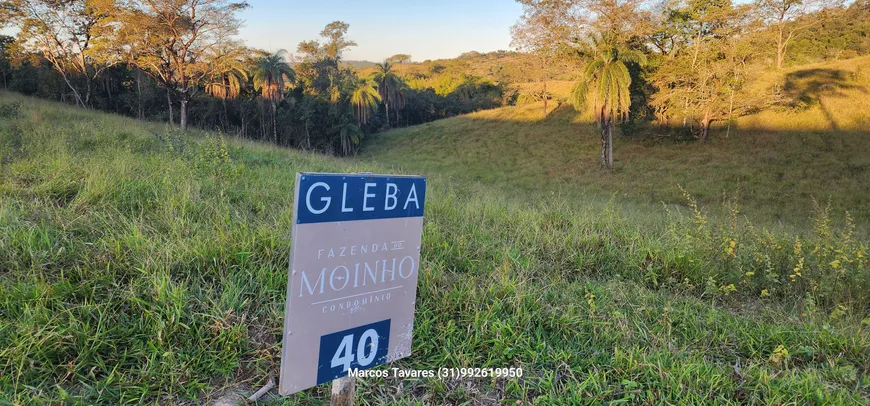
<point x="425" y="29"/>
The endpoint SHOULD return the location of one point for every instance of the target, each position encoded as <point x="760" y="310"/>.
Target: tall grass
<point x="138" y="265"/>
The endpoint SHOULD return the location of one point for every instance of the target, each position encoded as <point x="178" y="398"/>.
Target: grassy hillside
<point x="774" y="164"/>
<point x="138" y="265"/>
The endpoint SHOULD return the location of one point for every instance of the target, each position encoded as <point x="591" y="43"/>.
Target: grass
<point x="559" y="90"/>
<point x="138" y="265"/>
<point x="775" y="163"/>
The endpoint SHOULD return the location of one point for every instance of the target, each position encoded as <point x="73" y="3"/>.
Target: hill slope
<point x="139" y="265"/>
<point x="774" y="162"/>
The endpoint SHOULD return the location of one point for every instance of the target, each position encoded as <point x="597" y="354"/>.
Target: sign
<point x="354" y="261"/>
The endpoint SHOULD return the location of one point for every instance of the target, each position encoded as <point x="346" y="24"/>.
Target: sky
<point x="424" y="29"/>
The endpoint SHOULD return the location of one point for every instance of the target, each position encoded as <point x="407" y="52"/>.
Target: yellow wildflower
<point x="780" y="353"/>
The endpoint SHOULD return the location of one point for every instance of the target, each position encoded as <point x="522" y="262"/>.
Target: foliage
<point x="841" y="35"/>
<point x="391" y="88"/>
<point x="272" y="76"/>
<point x="173" y="42"/>
<point x="399" y="59"/>
<point x="545" y="30"/>
<point x="70" y="35"/>
<point x="156" y="60"/>
<point x="785" y="19"/>
<point x="6" y="46"/>
<point x="604" y="92"/>
<point x="9" y="111"/>
<point x="227" y="74"/>
<point x="365" y="99"/>
<point x="245" y="92"/>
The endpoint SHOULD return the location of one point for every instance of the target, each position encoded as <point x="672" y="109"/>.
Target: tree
<point x="391" y="89"/>
<point x="336" y="42"/>
<point x="227" y="74"/>
<point x="364" y="100"/>
<point x="785" y="17"/>
<point x="272" y="76"/>
<point x="609" y="35"/>
<point x="604" y="90"/>
<point x="700" y="20"/>
<point x="545" y="28"/>
<point x="320" y="60"/>
<point x="65" y="33"/>
<point x="349" y="135"/>
<point x="702" y="82"/>
<point x="685" y="30"/>
<point x="400" y="58"/>
<point x="174" y="41"/>
<point x="5" y="60"/>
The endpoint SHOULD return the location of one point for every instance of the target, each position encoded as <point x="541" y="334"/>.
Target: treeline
<point x="682" y="64"/>
<point x="178" y="61"/>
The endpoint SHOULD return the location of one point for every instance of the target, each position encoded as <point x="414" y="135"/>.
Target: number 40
<point x="344" y="355"/>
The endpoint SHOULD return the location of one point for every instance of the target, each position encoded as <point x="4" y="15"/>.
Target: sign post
<point x="343" y="391"/>
<point x="354" y="262"/>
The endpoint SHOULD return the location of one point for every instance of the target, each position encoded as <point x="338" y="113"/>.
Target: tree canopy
<point x="674" y="67"/>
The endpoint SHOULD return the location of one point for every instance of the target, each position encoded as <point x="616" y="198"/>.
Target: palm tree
<point x="228" y="73"/>
<point x="364" y="100"/>
<point x="390" y="87"/>
<point x="605" y="91"/>
<point x="272" y="75"/>
<point x="349" y="135"/>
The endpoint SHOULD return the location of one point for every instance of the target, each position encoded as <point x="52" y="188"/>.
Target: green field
<point x="138" y="265"/>
<point x="775" y="164"/>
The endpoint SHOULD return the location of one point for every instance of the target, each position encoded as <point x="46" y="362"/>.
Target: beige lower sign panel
<point x="355" y="258"/>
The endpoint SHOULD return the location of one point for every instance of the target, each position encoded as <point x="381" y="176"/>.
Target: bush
<point x="9" y="110"/>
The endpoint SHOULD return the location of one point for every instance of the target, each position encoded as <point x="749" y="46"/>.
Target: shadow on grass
<point x="807" y="87"/>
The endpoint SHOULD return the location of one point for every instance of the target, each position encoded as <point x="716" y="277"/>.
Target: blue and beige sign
<point x="354" y="261"/>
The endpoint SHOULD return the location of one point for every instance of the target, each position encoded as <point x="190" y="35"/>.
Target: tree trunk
<point x="602" y="122"/>
<point x="169" y="103"/>
<point x="730" y="113"/>
<point x="705" y="130"/>
<point x="75" y="92"/>
<point x="59" y="69"/>
<point x="780" y="48"/>
<point x="107" y="82"/>
<point x="387" y="111"/>
<point x="274" y="122"/>
<point x="226" y="117"/>
<point x="183" y="99"/>
<point x="705" y="126"/>
<point x="262" y="121"/>
<point x="307" y="136"/>
<point x="610" y="144"/>
<point x="544" y="96"/>
<point x="88" y="91"/>
<point x="141" y="112"/>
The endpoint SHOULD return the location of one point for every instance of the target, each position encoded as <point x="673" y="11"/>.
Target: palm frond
<point x="579" y="95"/>
<point x="605" y="88"/>
<point x="632" y="56"/>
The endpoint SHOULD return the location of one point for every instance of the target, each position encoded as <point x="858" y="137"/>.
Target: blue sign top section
<point x="349" y="197"/>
